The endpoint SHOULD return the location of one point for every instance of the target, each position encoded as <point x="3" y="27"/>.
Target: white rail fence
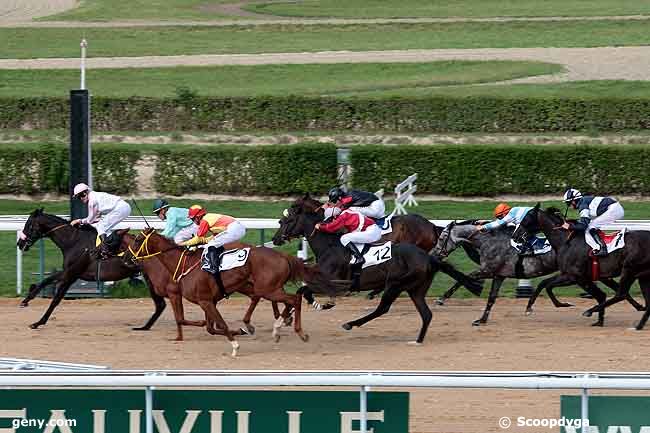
<point x="17" y="222"/>
<point x="363" y="380"/>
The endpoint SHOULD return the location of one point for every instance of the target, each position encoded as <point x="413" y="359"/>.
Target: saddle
<point x="613" y="241"/>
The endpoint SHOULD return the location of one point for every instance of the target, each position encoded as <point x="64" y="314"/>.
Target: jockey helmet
<point x="571" y="195"/>
<point x="79" y="188"/>
<point x="501" y="210"/>
<point x="332" y="212"/>
<point x="195" y="212"/>
<point x="335" y="194"/>
<point x="159" y="204"/>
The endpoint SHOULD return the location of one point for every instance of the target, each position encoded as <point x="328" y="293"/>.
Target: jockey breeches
<point x="106" y="225"/>
<point x="376" y="210"/>
<point x="614" y="212"/>
<point x="372" y="233"/>
<point x="185" y="234"/>
<point x="234" y="232"/>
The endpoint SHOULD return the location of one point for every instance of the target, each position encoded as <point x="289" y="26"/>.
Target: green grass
<point x="457" y="8"/>
<point x="266" y="209"/>
<point x="104" y="10"/>
<point x="107" y="10"/>
<point x="124" y="41"/>
<point x="574" y="89"/>
<point x="277" y="80"/>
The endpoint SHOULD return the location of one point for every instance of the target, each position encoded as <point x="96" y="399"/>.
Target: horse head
<point x="298" y="219"/>
<point x="38" y="225"/>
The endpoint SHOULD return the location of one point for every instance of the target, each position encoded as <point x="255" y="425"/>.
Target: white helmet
<point x="79" y="188"/>
<point x="332" y="212"/>
<point x="571" y="195"/>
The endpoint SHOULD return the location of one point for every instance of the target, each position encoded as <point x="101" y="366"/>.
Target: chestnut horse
<point x="263" y="276"/>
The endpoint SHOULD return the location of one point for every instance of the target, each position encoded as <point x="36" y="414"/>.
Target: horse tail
<point x="309" y="275"/>
<point x="472" y="284"/>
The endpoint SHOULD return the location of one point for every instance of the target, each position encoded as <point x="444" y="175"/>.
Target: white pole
<point x="148" y="396"/>
<point x="584" y="409"/>
<point x="363" y="408"/>
<point x="19" y="266"/>
<point x="84" y="45"/>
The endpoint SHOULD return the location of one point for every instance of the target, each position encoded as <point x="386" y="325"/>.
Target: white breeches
<point x="185" y="234"/>
<point x="370" y="234"/>
<point x="234" y="232"/>
<point x="614" y="212"/>
<point x="113" y="218"/>
<point x="376" y="210"/>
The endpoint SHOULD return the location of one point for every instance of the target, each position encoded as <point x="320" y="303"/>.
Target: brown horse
<point x="263" y="276"/>
<point x="162" y="284"/>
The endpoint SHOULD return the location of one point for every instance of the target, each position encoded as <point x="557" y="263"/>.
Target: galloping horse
<point x="76" y="245"/>
<point x="631" y="263"/>
<point x="410" y="269"/>
<point x="164" y="284"/>
<point x="263" y="275"/>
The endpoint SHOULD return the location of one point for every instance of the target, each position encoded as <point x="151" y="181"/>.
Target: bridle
<point x="29" y="239"/>
<point x="144" y="248"/>
<point x="443" y="251"/>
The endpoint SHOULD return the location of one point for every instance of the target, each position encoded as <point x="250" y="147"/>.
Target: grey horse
<point x="497" y="260"/>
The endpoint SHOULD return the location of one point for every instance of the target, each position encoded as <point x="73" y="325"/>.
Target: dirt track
<point x="98" y="331"/>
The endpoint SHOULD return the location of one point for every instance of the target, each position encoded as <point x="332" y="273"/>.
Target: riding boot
<point x="213" y="256"/>
<point x="602" y="252"/>
<point x="356" y="267"/>
<point x="99" y="252"/>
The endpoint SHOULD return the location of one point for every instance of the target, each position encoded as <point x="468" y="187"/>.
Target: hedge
<point x="457" y="170"/>
<point x="431" y="114"/>
<point x="487" y="170"/>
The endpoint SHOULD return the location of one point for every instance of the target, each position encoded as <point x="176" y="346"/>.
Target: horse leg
<point x="213" y="316"/>
<point x="448" y="294"/>
<point x="644" y="282"/>
<point x="250" y="329"/>
<point x="600" y="297"/>
<point x="386" y="301"/>
<point x="61" y="290"/>
<point x="494" y="293"/>
<point x="621" y="294"/>
<point x="177" y="306"/>
<point x="309" y="297"/>
<point x="417" y="296"/>
<point x="159" y="303"/>
<point x="549" y="284"/>
<point x="295" y="301"/>
<point x="35" y="289"/>
<point x="612" y="284"/>
<point x="297" y="323"/>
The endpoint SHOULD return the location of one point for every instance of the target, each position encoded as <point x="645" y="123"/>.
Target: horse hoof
<point x="276" y="338"/>
<point x="565" y="305"/>
<point x="34" y="325"/>
<point x="142" y="328"/>
<point x="529" y="312"/>
<point x="328" y="306"/>
<point x="249" y="329"/>
<point x="636" y="328"/>
<point x="478" y="322"/>
<point x="23" y="305"/>
<point x="587" y="313"/>
<point x="600" y="324"/>
<point x="440" y="302"/>
<point x="346" y="326"/>
<point x="288" y="321"/>
<point x="370" y="296"/>
<point x="414" y="343"/>
<point x="304" y="337"/>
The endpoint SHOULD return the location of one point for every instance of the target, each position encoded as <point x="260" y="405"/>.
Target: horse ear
<point x="307" y="196"/>
<point x="121" y="232"/>
<point x="538" y="205"/>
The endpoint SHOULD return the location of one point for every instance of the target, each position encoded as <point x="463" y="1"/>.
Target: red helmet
<point x="501" y="210"/>
<point x="196" y="211"/>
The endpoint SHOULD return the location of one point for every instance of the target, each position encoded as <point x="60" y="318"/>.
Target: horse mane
<point x="468" y="222"/>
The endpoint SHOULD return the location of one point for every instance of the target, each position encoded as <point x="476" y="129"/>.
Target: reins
<point x="148" y="254"/>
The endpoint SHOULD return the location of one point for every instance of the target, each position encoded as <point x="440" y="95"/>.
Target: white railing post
<point x="584" y="410"/>
<point x="19" y="266"/>
<point x="148" y="409"/>
<point x="363" y="409"/>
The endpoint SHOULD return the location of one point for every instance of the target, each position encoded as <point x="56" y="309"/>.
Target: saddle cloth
<point x="375" y="254"/>
<point x="614" y="241"/>
<point x="232" y="259"/>
<point x="386" y="223"/>
<point x="538" y="245"/>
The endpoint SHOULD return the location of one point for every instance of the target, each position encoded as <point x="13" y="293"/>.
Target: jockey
<point x="505" y="215"/>
<point x="360" y="229"/>
<point x="363" y="202"/>
<point x="595" y="212"/>
<point x="177" y="225"/>
<point x="224" y="228"/>
<point x="112" y="208"/>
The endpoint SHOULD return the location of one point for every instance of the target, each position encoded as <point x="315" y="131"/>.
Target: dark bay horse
<point x="76" y="244"/>
<point x="164" y="284"/>
<point x="410" y="269"/>
<point x="630" y="263"/>
<point x="264" y="275"/>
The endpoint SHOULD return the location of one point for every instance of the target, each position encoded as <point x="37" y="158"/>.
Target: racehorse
<point x="410" y="269"/>
<point x="76" y="244"/>
<point x="573" y="256"/>
<point x="167" y="285"/>
<point x="263" y="275"/>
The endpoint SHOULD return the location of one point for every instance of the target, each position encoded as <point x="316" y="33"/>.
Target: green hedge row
<point x="458" y="170"/>
<point x="432" y="114"/>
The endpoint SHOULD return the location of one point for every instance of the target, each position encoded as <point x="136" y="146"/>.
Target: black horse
<point x="79" y="262"/>
<point x="410" y="269"/>
<point x="631" y="263"/>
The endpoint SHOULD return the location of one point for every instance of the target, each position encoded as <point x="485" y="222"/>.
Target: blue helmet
<point x="335" y="194"/>
<point x="159" y="204"/>
<point x="571" y="195"/>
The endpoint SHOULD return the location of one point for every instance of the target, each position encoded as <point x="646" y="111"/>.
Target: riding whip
<point x="140" y="212"/>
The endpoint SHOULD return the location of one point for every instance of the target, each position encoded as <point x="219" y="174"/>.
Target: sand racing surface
<point x="99" y="332"/>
